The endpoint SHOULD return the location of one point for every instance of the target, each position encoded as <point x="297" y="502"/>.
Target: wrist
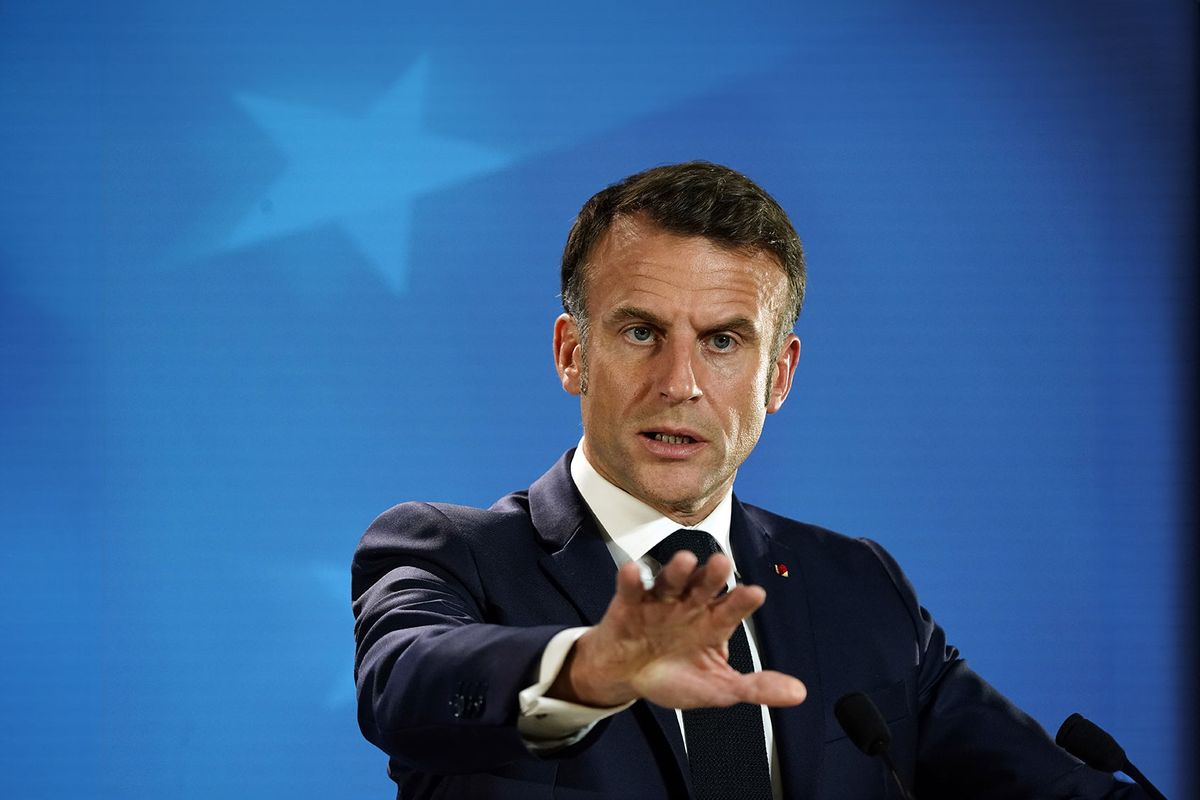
<point x="583" y="682"/>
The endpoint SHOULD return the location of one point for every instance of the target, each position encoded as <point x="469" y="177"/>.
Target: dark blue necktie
<point x="726" y="747"/>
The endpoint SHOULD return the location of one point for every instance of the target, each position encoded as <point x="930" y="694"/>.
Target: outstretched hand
<point x="669" y="644"/>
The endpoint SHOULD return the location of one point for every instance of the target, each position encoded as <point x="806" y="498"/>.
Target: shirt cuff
<point x="546" y="723"/>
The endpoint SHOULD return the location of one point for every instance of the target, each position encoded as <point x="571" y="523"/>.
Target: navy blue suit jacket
<point x="454" y="606"/>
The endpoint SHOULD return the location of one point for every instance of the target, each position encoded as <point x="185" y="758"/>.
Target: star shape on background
<point x="335" y="586"/>
<point x="361" y="172"/>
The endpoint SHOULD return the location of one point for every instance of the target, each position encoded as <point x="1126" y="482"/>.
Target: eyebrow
<point x="635" y="314"/>
<point x="743" y="326"/>
<point x="740" y="325"/>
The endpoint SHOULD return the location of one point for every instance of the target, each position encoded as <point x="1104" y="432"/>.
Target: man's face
<point x="681" y="363"/>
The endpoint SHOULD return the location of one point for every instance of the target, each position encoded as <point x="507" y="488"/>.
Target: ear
<point x="568" y="354"/>
<point x="784" y="371"/>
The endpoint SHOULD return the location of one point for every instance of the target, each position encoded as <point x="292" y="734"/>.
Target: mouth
<point x="669" y="438"/>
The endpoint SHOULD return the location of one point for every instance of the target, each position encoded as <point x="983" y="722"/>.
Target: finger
<point x="710" y="580"/>
<point x="732" y="608"/>
<point x="771" y="688"/>
<point x="629" y="583"/>
<point x="673" y="578"/>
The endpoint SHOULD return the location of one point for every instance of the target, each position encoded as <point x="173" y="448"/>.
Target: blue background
<point x="267" y="270"/>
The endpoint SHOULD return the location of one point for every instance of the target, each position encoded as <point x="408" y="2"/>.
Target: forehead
<point x="639" y="263"/>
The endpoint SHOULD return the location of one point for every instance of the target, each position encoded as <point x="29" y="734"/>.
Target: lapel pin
<point x="781" y="570"/>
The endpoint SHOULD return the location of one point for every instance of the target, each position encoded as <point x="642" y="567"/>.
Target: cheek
<point x="747" y="426"/>
<point x="747" y="413"/>
<point x="624" y="383"/>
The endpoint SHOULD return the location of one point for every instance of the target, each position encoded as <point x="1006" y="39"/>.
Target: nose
<point x="677" y="376"/>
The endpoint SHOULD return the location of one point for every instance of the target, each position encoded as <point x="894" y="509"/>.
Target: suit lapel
<point x="785" y="640"/>
<point x="576" y="558"/>
<point x="580" y="564"/>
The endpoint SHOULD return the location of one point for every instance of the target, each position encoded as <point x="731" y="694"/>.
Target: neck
<point x="686" y="513"/>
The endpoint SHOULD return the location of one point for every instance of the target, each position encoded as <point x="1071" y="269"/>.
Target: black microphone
<point x="1092" y="745"/>
<point x="866" y="727"/>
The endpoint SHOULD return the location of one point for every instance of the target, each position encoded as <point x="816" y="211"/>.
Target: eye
<point x="640" y="334"/>
<point x="722" y="342"/>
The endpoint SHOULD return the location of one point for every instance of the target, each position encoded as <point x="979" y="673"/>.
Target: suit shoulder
<point x="833" y="561"/>
<point x="415" y="518"/>
<point x="452" y="531"/>
<point x="834" y="550"/>
<point x="792" y="532"/>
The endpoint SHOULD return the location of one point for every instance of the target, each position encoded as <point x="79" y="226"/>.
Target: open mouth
<point x="669" y="438"/>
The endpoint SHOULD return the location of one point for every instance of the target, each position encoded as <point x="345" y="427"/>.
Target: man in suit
<point x="495" y="658"/>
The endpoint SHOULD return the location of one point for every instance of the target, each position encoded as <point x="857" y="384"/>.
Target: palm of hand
<point x="669" y="644"/>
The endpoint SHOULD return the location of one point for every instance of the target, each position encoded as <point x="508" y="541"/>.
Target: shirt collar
<point x="631" y="525"/>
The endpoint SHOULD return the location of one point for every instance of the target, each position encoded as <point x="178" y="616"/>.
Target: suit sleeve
<point x="437" y="683"/>
<point x="972" y="741"/>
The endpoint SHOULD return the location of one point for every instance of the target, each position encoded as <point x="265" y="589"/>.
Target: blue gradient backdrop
<point x="267" y="269"/>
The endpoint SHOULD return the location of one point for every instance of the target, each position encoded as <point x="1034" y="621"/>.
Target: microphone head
<point x="1088" y="742"/>
<point x="863" y="723"/>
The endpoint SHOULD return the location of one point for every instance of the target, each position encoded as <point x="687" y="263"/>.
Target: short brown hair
<point x="696" y="198"/>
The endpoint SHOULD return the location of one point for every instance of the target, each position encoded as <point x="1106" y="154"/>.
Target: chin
<point x="673" y="495"/>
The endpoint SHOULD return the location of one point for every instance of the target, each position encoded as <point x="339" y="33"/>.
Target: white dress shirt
<point x="630" y="529"/>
